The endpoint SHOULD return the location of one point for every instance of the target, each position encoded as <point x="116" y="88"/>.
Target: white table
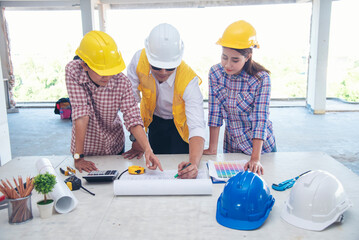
<point x="105" y="216"/>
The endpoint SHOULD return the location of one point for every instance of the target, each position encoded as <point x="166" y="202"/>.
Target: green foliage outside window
<point x="39" y="81"/>
<point x="349" y="86"/>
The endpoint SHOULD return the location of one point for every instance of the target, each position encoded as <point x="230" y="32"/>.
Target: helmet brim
<point x="163" y="64"/>
<point x="239" y="224"/>
<point x="237" y="45"/>
<point x="110" y="72"/>
<point x="311" y="225"/>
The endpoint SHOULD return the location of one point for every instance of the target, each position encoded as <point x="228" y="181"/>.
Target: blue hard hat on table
<point x="245" y="202"/>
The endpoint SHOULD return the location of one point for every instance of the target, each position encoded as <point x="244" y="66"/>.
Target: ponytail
<point x="251" y="67"/>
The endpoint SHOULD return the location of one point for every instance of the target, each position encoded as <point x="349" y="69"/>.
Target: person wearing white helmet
<point x="97" y="89"/>
<point x="239" y="94"/>
<point x="171" y="103"/>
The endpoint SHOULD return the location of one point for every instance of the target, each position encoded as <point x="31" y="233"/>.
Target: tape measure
<point x="135" y="170"/>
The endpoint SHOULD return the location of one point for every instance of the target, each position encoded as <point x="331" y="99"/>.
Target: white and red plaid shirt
<point x="104" y="134"/>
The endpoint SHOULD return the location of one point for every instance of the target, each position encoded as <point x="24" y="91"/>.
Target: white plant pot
<point x="45" y="209"/>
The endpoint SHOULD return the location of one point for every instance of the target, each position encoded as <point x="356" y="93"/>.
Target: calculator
<point x="101" y="176"/>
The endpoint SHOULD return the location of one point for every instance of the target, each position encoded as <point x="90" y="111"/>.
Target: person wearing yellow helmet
<point x="171" y="103"/>
<point x="97" y="90"/>
<point x="239" y="94"/>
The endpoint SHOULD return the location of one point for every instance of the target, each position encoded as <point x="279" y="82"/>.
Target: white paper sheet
<point x="64" y="200"/>
<point x="162" y="183"/>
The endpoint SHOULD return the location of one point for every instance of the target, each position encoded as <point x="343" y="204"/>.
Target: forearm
<point x="80" y="133"/>
<point x="140" y="135"/>
<point x="213" y="138"/>
<point x="196" y="145"/>
<point x="257" y="149"/>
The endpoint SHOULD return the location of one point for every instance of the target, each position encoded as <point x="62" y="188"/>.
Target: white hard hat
<point x="164" y="47"/>
<point x="316" y="200"/>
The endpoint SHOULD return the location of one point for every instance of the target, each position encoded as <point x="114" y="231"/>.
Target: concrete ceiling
<point x="125" y="4"/>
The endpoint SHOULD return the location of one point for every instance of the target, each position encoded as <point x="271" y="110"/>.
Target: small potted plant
<point x="44" y="184"/>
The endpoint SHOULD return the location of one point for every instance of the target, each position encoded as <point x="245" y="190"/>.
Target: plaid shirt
<point x="242" y="101"/>
<point x="104" y="134"/>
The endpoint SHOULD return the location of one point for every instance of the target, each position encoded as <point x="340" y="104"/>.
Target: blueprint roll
<point x="64" y="200"/>
<point x="163" y="187"/>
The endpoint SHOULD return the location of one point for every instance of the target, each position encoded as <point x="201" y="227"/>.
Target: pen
<point x="182" y="169"/>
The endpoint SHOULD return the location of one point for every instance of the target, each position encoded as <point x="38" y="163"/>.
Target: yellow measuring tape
<point x="136" y="170"/>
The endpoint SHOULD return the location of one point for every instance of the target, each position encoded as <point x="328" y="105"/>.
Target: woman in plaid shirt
<point x="239" y="93"/>
<point x="98" y="90"/>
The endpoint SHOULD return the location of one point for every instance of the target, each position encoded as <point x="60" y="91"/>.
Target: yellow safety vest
<point x="147" y="86"/>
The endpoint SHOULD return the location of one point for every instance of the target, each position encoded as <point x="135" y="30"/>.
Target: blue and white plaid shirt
<point x="242" y="101"/>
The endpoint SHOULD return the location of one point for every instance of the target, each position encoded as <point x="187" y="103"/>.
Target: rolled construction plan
<point x="163" y="187"/>
<point x="64" y="200"/>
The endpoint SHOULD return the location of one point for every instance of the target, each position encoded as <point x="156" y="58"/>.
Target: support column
<point x="102" y="9"/>
<point x="87" y="14"/>
<point x="318" y="57"/>
<point x="5" y="149"/>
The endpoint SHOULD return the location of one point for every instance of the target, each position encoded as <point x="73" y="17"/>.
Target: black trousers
<point x="164" y="137"/>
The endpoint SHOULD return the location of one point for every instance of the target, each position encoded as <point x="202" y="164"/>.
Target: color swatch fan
<point x="220" y="172"/>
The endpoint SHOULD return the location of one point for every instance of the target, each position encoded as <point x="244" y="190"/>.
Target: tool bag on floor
<point x="63" y="107"/>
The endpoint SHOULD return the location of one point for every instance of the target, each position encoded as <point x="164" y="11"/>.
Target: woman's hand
<point x="254" y="166"/>
<point x="210" y="151"/>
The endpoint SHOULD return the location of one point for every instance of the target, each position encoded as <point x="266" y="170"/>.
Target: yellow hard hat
<point x="239" y="35"/>
<point x="99" y="51"/>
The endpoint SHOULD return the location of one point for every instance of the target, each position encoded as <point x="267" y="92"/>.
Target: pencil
<point x="182" y="169"/>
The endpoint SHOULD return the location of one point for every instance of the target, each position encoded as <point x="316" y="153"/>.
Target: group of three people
<point x="171" y="103"/>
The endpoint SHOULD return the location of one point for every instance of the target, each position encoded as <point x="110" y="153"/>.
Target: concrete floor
<point x="39" y="132"/>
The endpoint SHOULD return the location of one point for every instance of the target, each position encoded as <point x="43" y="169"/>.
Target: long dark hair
<point x="251" y="67"/>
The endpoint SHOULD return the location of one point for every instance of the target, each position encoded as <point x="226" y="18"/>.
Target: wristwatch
<point x="77" y="156"/>
<point x="132" y="138"/>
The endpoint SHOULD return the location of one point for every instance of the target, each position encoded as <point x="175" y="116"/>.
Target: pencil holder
<point x="19" y="210"/>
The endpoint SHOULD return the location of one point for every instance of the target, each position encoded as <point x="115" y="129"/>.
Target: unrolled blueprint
<point x="155" y="182"/>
